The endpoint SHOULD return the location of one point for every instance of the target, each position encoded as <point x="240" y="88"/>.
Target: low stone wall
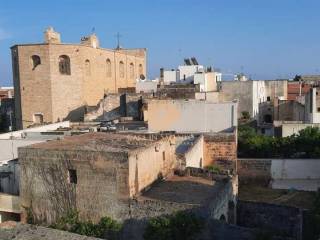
<point x="220" y="149"/>
<point x="300" y="174"/>
<point x="114" y="106"/>
<point x="18" y="231"/>
<point x="148" y="208"/>
<point x="279" y="220"/>
<point x="221" y="206"/>
<point x="213" y="229"/>
<point x="254" y="170"/>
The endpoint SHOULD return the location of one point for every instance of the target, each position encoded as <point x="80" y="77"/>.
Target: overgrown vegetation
<point x="179" y="226"/>
<point x="245" y="115"/>
<point x="29" y="213"/>
<point x="305" y="144"/>
<point x="105" y="228"/>
<point x="214" y="169"/>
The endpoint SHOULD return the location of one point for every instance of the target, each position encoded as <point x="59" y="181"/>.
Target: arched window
<point x="64" y="65"/>
<point x="35" y="61"/>
<point x="108" y="68"/>
<point x="131" y="70"/>
<point x="140" y="70"/>
<point x="121" y="69"/>
<point x="87" y="67"/>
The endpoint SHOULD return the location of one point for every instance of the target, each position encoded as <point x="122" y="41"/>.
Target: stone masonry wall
<point x="60" y="96"/>
<point x="254" y="169"/>
<point x="282" y="220"/>
<point x="101" y="188"/>
<point x="151" y="163"/>
<point x="221" y="150"/>
<point x="115" y="106"/>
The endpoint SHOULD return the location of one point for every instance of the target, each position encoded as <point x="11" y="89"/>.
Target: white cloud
<point x="4" y="34"/>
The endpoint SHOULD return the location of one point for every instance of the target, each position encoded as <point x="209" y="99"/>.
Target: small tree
<point x="245" y="115"/>
<point x="180" y="226"/>
<point x="106" y="228"/>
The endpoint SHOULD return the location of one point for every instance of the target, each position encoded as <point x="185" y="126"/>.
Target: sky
<point x="265" y="39"/>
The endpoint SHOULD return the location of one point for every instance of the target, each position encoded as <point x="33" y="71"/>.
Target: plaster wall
<point x="150" y="164"/>
<point x="301" y="174"/>
<point x="146" y="86"/>
<point x="44" y="128"/>
<point x="170" y="76"/>
<point x="241" y="91"/>
<point x="289" y="129"/>
<point x="190" y="116"/>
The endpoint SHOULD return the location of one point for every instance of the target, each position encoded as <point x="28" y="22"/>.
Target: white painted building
<point x="312" y="103"/>
<point x="192" y="72"/>
<point x="186" y="73"/>
<point x="170" y="76"/>
<point x="252" y="93"/>
<point x="208" y="81"/>
<point x="147" y="86"/>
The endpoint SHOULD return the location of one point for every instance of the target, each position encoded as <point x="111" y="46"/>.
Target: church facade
<point x="53" y="81"/>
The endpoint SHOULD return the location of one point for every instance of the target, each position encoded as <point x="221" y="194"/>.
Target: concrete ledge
<point x="9" y="203"/>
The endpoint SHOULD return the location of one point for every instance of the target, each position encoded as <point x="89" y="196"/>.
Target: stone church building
<point x="53" y="81"/>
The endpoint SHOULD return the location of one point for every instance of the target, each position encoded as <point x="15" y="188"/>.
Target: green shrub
<point x="245" y="115"/>
<point x="106" y="228"/>
<point x="158" y="229"/>
<point x="214" y="169"/>
<point x="305" y="144"/>
<point x="179" y="226"/>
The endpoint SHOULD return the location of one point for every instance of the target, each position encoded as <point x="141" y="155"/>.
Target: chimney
<point x="161" y="74"/>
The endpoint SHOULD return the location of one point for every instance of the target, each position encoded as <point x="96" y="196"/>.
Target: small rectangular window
<point x="318" y="109"/>
<point x="163" y="155"/>
<point x="268" y="99"/>
<point x="72" y="176"/>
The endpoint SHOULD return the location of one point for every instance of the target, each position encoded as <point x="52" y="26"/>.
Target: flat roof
<point x="106" y="142"/>
<point x="76" y="44"/>
<point x="190" y="100"/>
<point x="184" y="189"/>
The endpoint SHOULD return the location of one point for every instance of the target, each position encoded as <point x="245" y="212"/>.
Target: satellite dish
<point x="142" y="77"/>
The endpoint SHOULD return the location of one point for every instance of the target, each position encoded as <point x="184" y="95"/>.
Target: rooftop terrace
<point x="184" y="189"/>
<point x="106" y="142"/>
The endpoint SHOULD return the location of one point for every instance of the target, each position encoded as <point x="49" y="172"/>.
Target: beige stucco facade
<point x="189" y="115"/>
<point x="42" y="89"/>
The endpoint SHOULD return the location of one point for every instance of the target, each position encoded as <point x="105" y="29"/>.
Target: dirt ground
<point x="259" y="193"/>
